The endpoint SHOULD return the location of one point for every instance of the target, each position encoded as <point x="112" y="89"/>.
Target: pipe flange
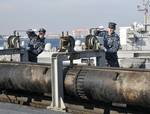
<point x="80" y="84"/>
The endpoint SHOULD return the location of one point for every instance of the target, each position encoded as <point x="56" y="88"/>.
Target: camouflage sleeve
<point x="115" y="46"/>
<point x="39" y="48"/>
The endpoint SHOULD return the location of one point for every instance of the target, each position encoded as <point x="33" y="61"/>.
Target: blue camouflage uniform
<point x="36" y="46"/>
<point x="112" y="44"/>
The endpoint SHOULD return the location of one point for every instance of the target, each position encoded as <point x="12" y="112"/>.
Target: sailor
<point x="36" y="45"/>
<point x="111" y="44"/>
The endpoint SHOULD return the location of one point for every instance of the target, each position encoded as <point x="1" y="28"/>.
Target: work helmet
<point x="42" y="30"/>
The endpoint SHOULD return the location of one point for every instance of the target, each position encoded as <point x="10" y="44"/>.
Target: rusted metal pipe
<point x="109" y="85"/>
<point x="127" y="86"/>
<point x="26" y="77"/>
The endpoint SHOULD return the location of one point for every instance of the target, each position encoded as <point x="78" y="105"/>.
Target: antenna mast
<point x="145" y="8"/>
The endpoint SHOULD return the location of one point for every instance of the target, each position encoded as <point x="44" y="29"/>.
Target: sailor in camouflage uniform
<point x="111" y="44"/>
<point x="36" y="45"/>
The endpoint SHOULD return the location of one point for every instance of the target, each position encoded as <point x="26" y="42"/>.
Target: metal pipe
<point x="26" y="77"/>
<point x="126" y="86"/>
<point x="109" y="85"/>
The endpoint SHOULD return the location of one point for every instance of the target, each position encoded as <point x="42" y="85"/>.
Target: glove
<point x="103" y="48"/>
<point x="27" y="48"/>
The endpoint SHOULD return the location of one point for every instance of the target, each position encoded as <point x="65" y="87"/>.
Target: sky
<point x="66" y="15"/>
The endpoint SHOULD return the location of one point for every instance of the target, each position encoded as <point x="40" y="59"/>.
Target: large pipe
<point x="26" y="77"/>
<point x="109" y="85"/>
<point x="90" y="83"/>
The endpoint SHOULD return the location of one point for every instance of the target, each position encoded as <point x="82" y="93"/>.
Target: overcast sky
<point x="59" y="15"/>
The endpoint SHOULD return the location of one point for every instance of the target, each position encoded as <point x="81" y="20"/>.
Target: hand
<point x="27" y="48"/>
<point x="103" y="48"/>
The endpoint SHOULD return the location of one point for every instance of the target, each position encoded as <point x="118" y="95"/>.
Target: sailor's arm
<point x="39" y="48"/>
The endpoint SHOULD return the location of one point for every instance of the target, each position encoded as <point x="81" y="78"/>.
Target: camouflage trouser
<point x="112" y="59"/>
<point x="32" y="57"/>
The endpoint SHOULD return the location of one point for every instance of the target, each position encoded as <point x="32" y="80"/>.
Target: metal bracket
<point x="57" y="74"/>
<point x="23" y="53"/>
<point x="57" y="83"/>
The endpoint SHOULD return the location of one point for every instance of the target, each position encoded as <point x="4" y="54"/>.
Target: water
<point x="54" y="42"/>
<point x="1" y="43"/>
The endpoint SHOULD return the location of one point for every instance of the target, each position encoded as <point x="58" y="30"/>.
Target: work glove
<point x="27" y="48"/>
<point x="103" y="48"/>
